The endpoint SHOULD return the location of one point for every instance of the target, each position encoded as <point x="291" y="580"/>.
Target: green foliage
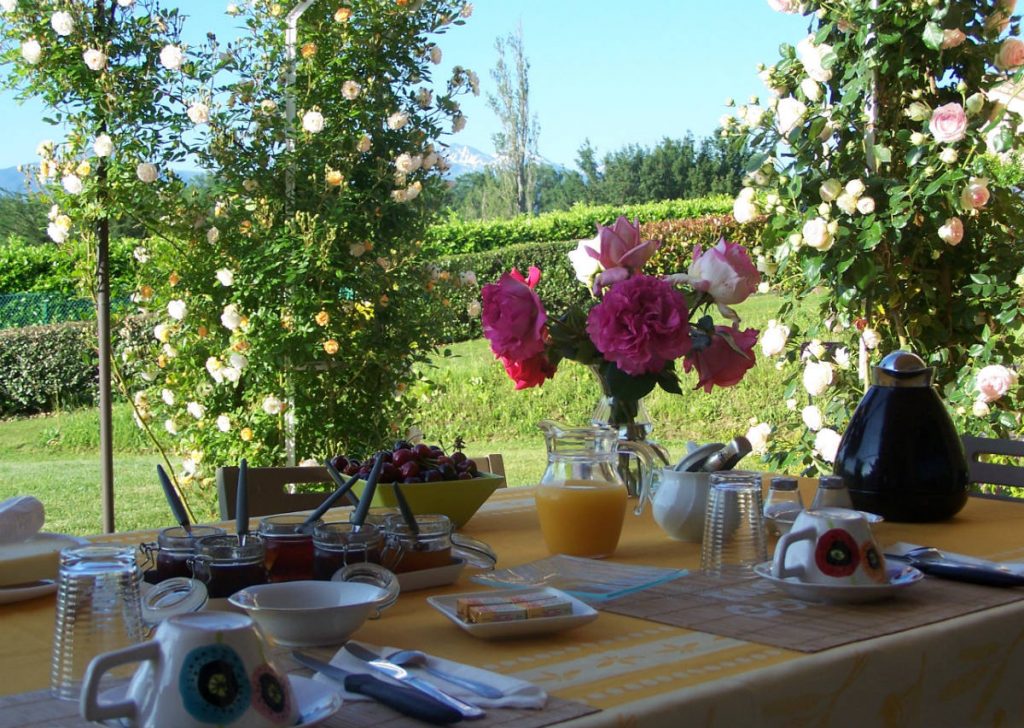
<point x="457" y="236"/>
<point x="23" y="216"/>
<point x="51" y="268"/>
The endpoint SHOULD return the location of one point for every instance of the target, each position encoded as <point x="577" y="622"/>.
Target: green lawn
<point x="467" y="393"/>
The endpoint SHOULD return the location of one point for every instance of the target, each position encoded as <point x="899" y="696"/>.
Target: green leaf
<point x="755" y="163"/>
<point x="933" y="36"/>
<point x="980" y="278"/>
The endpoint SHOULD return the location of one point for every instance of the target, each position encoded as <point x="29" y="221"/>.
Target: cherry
<point x="464" y="476"/>
<point x="340" y="462"/>
<point x="458" y="457"/>
<point x="402" y="456"/>
<point x="433" y="476"/>
<point x="422" y="451"/>
<point x="389" y="473"/>
<point x="352" y="468"/>
<point x="409" y="470"/>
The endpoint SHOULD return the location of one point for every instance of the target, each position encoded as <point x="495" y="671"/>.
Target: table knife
<point x="962" y="571"/>
<point x="407" y="701"/>
<point x="399" y="673"/>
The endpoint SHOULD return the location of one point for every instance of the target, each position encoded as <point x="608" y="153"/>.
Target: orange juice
<point x="581" y="517"/>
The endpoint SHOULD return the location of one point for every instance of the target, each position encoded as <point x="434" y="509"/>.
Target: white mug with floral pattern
<point x="830" y="546"/>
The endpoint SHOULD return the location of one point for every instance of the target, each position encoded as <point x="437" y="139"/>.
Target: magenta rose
<point x="529" y="372"/>
<point x="948" y="123"/>
<point x="620" y="251"/>
<point x="724" y="271"/>
<point x="513" y="316"/>
<point x="641" y="324"/>
<point x="721" y="364"/>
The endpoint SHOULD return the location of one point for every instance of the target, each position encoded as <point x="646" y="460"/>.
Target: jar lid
<point x="170" y="597"/>
<point x="784" y="482"/>
<point x="903" y="369"/>
<point x="473" y="552"/>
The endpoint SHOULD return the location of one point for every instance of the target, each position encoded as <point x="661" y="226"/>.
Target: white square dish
<point x="581" y="614"/>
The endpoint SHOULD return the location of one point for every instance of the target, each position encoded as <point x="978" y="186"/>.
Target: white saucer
<point x="317" y="701"/>
<point x="899" y="578"/>
<point x="21" y="592"/>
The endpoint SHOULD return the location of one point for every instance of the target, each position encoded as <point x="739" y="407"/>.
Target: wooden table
<point x="960" y="672"/>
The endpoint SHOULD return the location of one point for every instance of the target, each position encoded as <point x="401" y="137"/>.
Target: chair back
<point x="269" y="492"/>
<point x="492" y="463"/>
<point x="981" y="472"/>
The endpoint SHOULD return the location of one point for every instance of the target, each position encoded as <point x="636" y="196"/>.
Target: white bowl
<point x="310" y="613"/>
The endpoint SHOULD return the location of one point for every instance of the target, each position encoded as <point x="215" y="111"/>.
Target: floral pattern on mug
<point x="213" y="685"/>
<point x="272" y="694"/>
<point x="836" y="553"/>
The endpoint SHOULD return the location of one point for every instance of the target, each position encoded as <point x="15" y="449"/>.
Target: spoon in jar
<point x="359" y="517"/>
<point x="242" y="503"/>
<point x="177" y="507"/>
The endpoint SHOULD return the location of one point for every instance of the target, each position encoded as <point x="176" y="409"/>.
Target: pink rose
<point x="641" y="324"/>
<point x="952" y="37"/>
<point x="513" y="317"/>
<point x="725" y="271"/>
<point x="975" y="195"/>
<point x="620" y="251"/>
<point x="529" y="372"/>
<point x="1010" y="55"/>
<point x="994" y="381"/>
<point x="719" y="363"/>
<point x="948" y="123"/>
<point x="785" y="6"/>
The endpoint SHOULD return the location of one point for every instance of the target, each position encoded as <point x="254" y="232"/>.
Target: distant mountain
<point x="463" y="160"/>
<point x="11" y="180"/>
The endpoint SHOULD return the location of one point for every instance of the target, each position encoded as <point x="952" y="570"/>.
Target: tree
<point x="516" y="143"/>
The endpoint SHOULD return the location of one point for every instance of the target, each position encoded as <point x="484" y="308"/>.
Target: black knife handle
<point x="405" y="700"/>
<point x="972" y="573"/>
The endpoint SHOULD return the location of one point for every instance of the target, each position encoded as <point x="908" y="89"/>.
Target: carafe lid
<point x="903" y="369"/>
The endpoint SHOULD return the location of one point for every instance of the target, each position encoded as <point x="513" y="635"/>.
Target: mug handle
<point x="779" y="569"/>
<point x="89" y="705"/>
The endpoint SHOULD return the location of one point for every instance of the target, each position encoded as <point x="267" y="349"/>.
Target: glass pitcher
<point x="581" y="498"/>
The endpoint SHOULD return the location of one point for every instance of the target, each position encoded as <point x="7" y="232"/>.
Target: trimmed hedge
<point x="458" y="237"/>
<point x="29" y="267"/>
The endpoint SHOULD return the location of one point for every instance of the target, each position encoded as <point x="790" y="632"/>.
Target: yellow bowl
<point x="457" y="499"/>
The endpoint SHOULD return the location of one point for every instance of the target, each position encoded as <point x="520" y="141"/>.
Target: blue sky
<point x="615" y="72"/>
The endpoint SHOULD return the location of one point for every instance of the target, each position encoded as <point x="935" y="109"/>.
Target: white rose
<point x="948" y="155"/>
<point x="196" y="410"/>
<point x="813" y="57"/>
<point x="31" y="51"/>
<point x="811" y="89"/>
<point x="980" y="408"/>
<point x="744" y="209"/>
<point x="817" y="235"/>
<point x="468" y="278"/>
<point x="826" y="444"/>
<point x="871" y="338"/>
<point x="167" y="396"/>
<point x="62" y="23"/>
<point x="830" y="189"/>
<point x="272" y="405"/>
<point x="764" y="287"/>
<point x="140" y="254"/>
<point x="170" y="427"/>
<point x="430" y="160"/>
<point x="225" y="277"/>
<point x="435" y="54"/>
<point x="585" y="266"/>
<point x="758" y="437"/>
<point x="350" y="90"/>
<point x="72" y="184"/>
<point x="224" y="423"/>
<point x="791" y="404"/>
<point x="398" y="120"/>
<point x="8" y="5"/>
<point x="313" y="122"/>
<point x="56" y="233"/>
<point x="918" y="139"/>
<point x="458" y="123"/>
<point x="232" y="9"/>
<point x="866" y="205"/>
<point x="952" y="231"/>
<point x="788" y="114"/>
<point x="817" y="377"/>
<point x="408" y="163"/>
<point x="199" y="113"/>
<point x="816" y="349"/>
<point x="230" y="317"/>
<point x="847" y="203"/>
<point x="994" y="381"/>
<point x="176" y="309"/>
<point x="146" y="172"/>
<point x="842" y="358"/>
<point x="773" y="339"/>
<point x="855" y="187"/>
<point x="95" y="60"/>
<point x="213" y="235"/>
<point x="239" y="361"/>
<point x="162" y="333"/>
<point x="171" y="57"/>
<point x="473" y="308"/>
<point x="812" y="418"/>
<point x="103" y="145"/>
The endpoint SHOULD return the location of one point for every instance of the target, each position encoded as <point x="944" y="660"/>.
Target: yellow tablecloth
<point x="962" y="672"/>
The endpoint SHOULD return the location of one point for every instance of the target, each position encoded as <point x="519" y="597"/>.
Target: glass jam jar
<point x="225" y="565"/>
<point x="407" y="551"/>
<point x="341" y="543"/>
<point x="289" y="545"/>
<point x="173" y="548"/>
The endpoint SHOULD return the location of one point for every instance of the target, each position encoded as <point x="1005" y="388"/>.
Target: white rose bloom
<point x="199" y="113"/>
<point x="855" y="187"/>
<point x="918" y="139"/>
<point x="350" y="90"/>
<point x="812" y="418"/>
<point x="408" y="163"/>
<point x="788" y="114"/>
<point x="429" y="161"/>
<point x="773" y="339"/>
<point x="473" y="308"/>
<point x="830" y="189"/>
<point x="146" y="172"/>
<point x="842" y="358"/>
<point x="238" y="361"/>
<point x="468" y="278"/>
<point x="125" y="3"/>
<point x="435" y="54"/>
<point x="825" y="210"/>
<point x="816" y="349"/>
<point x="871" y="338"/>
<point x="188" y="466"/>
<point x="171" y="57"/>
<point x="268" y="106"/>
<point x="791" y="404"/>
<point x="31" y="51"/>
<point x="826" y="444"/>
<point x="812" y="57"/>
<point x="56" y="233"/>
<point x="866" y="205"/>
<point x="365" y="143"/>
<point x="176" y="309"/>
<point x="398" y="120"/>
<point x="272" y="405"/>
<point x="817" y="377"/>
<point x="980" y="408"/>
<point x="8" y="5"/>
<point x="948" y="155"/>
<point x="232" y="9"/>
<point x="62" y="23"/>
<point x="584" y="265"/>
<point x="817" y="235"/>
<point x="167" y="396"/>
<point x="313" y="122"/>
<point x="196" y="410"/>
<point x="847" y="203"/>
<point x="212" y="235"/>
<point x="230" y="317"/>
<point x="95" y="60"/>
<point x="758" y="437"/>
<point x="224" y="423"/>
<point x="811" y="89"/>
<point x="458" y="123"/>
<point x="170" y="351"/>
<point x="141" y="254"/>
<point x="744" y="209"/>
<point x="952" y="231"/>
<point x="171" y="427"/>
<point x="764" y="287"/>
<point x="162" y="333"/>
<point x="103" y="145"/>
<point x="226" y="277"/>
<point x="72" y="184"/>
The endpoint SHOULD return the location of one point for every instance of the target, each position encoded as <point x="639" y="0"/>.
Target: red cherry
<point x="409" y="470"/>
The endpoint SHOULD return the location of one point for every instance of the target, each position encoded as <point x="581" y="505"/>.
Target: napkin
<point x="21" y="517"/>
<point x="518" y="693"/>
<point x="900" y="549"/>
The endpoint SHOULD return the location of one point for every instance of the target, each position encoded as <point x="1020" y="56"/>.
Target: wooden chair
<point x="493" y="463"/>
<point x="268" y="492"/>
<point x="999" y="474"/>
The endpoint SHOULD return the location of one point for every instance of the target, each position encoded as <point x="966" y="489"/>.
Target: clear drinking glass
<point x="734" y="533"/>
<point x="98" y="610"/>
<point x="783" y="501"/>
<point x="832" y="493"/>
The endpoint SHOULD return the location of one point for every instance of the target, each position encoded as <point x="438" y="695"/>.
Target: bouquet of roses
<point x="635" y="326"/>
